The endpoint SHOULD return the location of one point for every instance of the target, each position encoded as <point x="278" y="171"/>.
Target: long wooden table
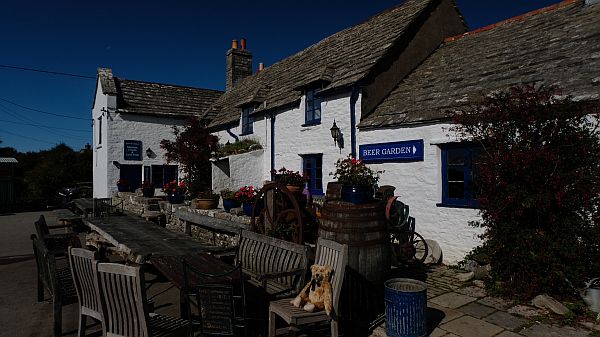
<point x="139" y="239"/>
<point x="84" y="205"/>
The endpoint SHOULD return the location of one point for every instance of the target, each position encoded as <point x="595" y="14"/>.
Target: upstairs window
<point x="459" y="175"/>
<point x="100" y="130"/>
<point x="247" y="120"/>
<point x="312" y="108"/>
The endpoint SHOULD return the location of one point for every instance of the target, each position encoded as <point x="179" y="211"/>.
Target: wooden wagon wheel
<point x="279" y="208"/>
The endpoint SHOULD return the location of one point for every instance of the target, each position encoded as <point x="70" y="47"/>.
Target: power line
<point x="43" y="126"/>
<point x="47" y="71"/>
<point x="26" y="137"/>
<point x="41" y="111"/>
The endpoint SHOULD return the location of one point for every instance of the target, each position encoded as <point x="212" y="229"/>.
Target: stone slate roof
<point x="340" y="60"/>
<point x="157" y="99"/>
<point x="557" y="45"/>
<point x="8" y="160"/>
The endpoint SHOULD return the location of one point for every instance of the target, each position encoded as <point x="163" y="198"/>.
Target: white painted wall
<point x="117" y="127"/>
<point x="419" y="185"/>
<point x="293" y="140"/>
<point x="244" y="169"/>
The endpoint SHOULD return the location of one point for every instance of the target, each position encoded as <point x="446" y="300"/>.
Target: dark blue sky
<point x="177" y="42"/>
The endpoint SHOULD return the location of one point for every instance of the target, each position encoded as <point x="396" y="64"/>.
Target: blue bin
<point x="405" y="308"/>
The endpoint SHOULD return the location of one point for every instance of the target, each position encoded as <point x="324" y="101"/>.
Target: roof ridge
<point x="166" y="84"/>
<point x="521" y="17"/>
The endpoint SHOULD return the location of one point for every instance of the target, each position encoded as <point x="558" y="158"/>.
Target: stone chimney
<point x="592" y="2"/>
<point x="239" y="63"/>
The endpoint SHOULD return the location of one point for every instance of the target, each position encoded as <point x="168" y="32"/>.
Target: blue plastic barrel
<point x="405" y="308"/>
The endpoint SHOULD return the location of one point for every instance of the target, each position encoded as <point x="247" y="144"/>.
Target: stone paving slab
<point x="452" y="300"/>
<point x="508" y="334"/>
<point x="505" y="320"/>
<point x="449" y="314"/>
<point x="467" y="326"/>
<point x="545" y="330"/>
<point x="477" y="310"/>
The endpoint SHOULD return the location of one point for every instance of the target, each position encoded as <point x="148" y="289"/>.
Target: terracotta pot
<point x="294" y="188"/>
<point x="207" y="203"/>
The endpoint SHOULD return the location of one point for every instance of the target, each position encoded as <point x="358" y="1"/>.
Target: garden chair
<point x="55" y="278"/>
<point x="215" y="303"/>
<point x="59" y="242"/>
<point x="124" y="312"/>
<point x="328" y="253"/>
<point x="82" y="267"/>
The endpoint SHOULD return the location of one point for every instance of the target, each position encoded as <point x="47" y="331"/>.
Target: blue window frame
<point x="247" y="120"/>
<point x="312" y="166"/>
<point x="459" y="175"/>
<point x="312" y="108"/>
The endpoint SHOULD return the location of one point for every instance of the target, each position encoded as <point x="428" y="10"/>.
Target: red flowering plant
<point x="288" y="177"/>
<point x="174" y="188"/>
<point x="353" y="172"/>
<point x="246" y="194"/>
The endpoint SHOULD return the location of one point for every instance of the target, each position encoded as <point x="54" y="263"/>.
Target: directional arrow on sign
<point x="414" y="149"/>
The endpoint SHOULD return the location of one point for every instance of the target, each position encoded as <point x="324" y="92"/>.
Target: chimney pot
<point x="234" y="44"/>
<point x="261" y="66"/>
<point x="243" y="43"/>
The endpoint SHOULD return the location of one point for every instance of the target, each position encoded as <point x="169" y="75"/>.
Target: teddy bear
<point x="317" y="293"/>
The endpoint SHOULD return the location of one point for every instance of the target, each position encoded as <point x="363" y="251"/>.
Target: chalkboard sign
<point x="132" y="150"/>
<point x="410" y="150"/>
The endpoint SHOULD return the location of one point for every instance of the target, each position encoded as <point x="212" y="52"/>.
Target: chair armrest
<point x="263" y="278"/>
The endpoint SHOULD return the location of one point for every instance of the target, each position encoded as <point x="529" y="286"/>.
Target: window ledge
<point x="312" y="123"/>
<point x="441" y="204"/>
<point x="246" y="133"/>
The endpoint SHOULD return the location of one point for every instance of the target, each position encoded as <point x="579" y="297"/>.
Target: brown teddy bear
<point x="317" y="293"/>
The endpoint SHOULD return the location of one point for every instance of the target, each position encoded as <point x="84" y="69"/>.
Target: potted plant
<point x="293" y="180"/>
<point x="123" y="185"/>
<point x="207" y="200"/>
<point x="247" y="196"/>
<point x="229" y="200"/>
<point x="175" y="191"/>
<point x="358" y="181"/>
<point x="148" y="189"/>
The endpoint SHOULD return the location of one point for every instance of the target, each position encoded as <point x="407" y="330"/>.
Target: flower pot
<point x="122" y="188"/>
<point x="207" y="203"/>
<point x="357" y="194"/>
<point x="294" y="188"/>
<point x="148" y="192"/>
<point x="247" y="208"/>
<point x="228" y="204"/>
<point x="176" y="198"/>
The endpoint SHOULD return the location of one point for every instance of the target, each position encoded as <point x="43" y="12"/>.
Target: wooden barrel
<point x="363" y="228"/>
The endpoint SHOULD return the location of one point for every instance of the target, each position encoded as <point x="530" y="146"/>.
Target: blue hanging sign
<point x="132" y="150"/>
<point x="409" y="150"/>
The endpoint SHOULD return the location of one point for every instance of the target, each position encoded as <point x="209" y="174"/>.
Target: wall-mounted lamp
<point x="335" y="133"/>
<point x="149" y="153"/>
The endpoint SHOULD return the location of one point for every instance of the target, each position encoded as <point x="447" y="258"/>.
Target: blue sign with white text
<point x="132" y="150"/>
<point x="409" y="150"/>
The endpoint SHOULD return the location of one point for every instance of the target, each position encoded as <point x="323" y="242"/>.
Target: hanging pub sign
<point x="409" y="150"/>
<point x="132" y="150"/>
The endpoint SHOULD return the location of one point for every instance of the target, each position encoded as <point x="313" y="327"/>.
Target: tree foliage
<point x="538" y="187"/>
<point x="192" y="149"/>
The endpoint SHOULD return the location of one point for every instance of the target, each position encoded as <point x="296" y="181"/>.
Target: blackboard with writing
<point x="132" y="150"/>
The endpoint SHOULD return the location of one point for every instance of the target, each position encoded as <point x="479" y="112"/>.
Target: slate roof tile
<point x="553" y="46"/>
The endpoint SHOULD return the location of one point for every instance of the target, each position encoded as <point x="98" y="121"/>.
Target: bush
<point x="538" y="188"/>
<point x="242" y="146"/>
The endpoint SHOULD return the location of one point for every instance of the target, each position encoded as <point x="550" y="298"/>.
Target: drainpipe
<point x="237" y="139"/>
<point x="353" y="99"/>
<point x="272" y="143"/>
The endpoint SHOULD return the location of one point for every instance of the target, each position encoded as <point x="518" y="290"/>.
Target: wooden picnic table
<point x="139" y="239"/>
<point x="84" y="206"/>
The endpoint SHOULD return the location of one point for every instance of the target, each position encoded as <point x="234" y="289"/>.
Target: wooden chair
<point x="328" y="253"/>
<point x="82" y="267"/>
<point x="55" y="278"/>
<point x="215" y="303"/>
<point x="58" y="243"/>
<point x="124" y="313"/>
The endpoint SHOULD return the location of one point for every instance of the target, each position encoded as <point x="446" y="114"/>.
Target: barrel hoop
<point x="378" y="228"/>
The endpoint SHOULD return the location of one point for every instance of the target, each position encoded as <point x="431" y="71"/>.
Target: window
<point x="247" y="120"/>
<point x="100" y="130"/>
<point x="313" y="169"/>
<point x="459" y="174"/>
<point x="162" y="174"/>
<point x="313" y="108"/>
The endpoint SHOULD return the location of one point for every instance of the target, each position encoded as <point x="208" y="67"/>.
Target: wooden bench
<point x="277" y="266"/>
